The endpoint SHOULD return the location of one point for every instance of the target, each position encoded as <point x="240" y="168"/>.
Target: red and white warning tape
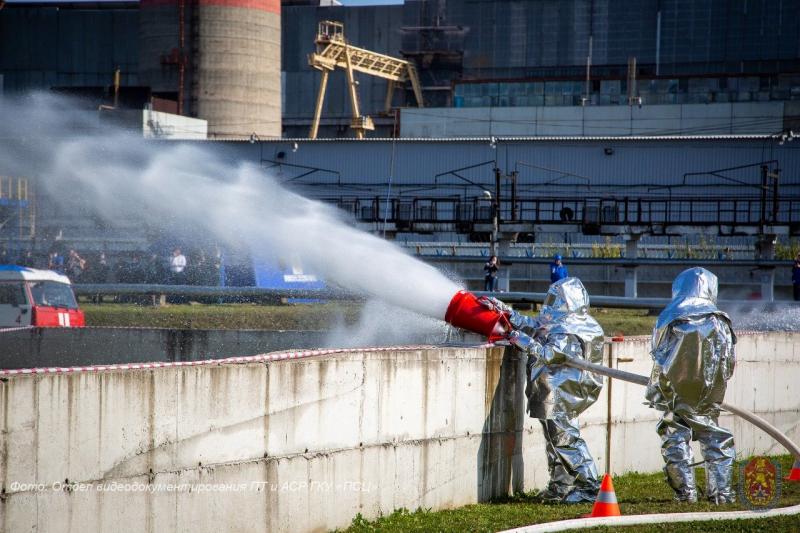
<point x="276" y="356"/>
<point x="6" y="330"/>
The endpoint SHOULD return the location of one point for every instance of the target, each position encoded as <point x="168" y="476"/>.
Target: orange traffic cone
<point x="794" y="474"/>
<point x="606" y="502"/>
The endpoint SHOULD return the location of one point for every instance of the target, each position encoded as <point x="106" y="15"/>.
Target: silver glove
<point x="526" y="344"/>
<point x="495" y="304"/>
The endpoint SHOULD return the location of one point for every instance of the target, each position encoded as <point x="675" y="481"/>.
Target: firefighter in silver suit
<point x="693" y="359"/>
<point x="557" y="393"/>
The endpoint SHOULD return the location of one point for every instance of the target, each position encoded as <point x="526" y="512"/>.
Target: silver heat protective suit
<point x="556" y="393"/>
<point x="693" y="359"/>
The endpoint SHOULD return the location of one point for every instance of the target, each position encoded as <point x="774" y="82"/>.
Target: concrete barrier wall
<point x="305" y="445"/>
<point x="46" y="347"/>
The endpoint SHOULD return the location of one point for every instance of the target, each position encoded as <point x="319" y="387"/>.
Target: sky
<point x="344" y="2"/>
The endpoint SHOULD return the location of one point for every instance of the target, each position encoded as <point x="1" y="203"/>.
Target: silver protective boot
<point x="693" y="356"/>
<point x="573" y="474"/>
<point x="678" y="457"/>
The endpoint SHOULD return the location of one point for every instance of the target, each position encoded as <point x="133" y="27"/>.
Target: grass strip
<point x="637" y="494"/>
<point x="291" y="317"/>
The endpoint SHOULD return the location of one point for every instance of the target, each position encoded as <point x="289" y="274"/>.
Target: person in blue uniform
<point x="557" y="269"/>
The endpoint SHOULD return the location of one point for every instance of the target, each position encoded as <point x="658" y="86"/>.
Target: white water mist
<point x="380" y="324"/>
<point x="111" y="173"/>
<point x="765" y="317"/>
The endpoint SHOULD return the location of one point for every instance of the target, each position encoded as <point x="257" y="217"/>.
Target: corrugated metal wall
<point x="576" y="167"/>
<point x="512" y="34"/>
<point x="44" y="47"/>
<point x="749" y="118"/>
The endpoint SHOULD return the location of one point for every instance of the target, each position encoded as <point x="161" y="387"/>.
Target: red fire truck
<point x="39" y="298"/>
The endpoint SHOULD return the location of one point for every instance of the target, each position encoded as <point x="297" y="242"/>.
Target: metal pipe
<point x="658" y="42"/>
<point x="200" y="291"/>
<point x="637" y="379"/>
<point x="624" y="302"/>
<point x="588" y="90"/>
<point x="116" y="87"/>
<point x="611" y="350"/>
<point x="614" y="262"/>
<point x="182" y="57"/>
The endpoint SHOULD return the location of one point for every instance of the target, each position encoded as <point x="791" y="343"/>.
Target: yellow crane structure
<point x="333" y="52"/>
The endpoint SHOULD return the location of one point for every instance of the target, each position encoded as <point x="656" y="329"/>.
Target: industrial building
<point x="567" y="121"/>
<point x="562" y="55"/>
<point x="557" y="62"/>
<point x="219" y="61"/>
<point x="726" y="74"/>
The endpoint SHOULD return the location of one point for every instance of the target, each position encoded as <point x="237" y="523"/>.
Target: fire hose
<point x="637" y="379"/>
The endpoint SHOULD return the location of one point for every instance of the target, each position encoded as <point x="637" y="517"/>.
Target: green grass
<point x="637" y="494"/>
<point x="299" y="316"/>
<point x="221" y="316"/>
<point x="625" y="321"/>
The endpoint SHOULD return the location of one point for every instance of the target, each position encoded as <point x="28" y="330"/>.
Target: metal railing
<point x="586" y="211"/>
<point x="15" y="189"/>
<point x="115" y="289"/>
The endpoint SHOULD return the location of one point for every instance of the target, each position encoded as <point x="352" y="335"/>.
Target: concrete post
<point x="500" y="455"/>
<point x="631" y="280"/>
<point x="631" y="275"/>
<point x="768" y="284"/>
<point x="765" y="247"/>
<point x="504" y="275"/>
<point x="766" y="251"/>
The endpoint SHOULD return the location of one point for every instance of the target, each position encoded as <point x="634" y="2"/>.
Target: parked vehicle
<point x="39" y="298"/>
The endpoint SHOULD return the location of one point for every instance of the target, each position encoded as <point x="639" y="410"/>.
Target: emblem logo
<point x="760" y="484"/>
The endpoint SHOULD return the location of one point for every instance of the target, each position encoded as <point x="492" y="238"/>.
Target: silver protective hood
<point x="564" y="297"/>
<point x="694" y="293"/>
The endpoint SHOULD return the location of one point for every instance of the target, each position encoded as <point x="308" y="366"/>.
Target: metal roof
<point x="566" y="138"/>
<point x="20" y="273"/>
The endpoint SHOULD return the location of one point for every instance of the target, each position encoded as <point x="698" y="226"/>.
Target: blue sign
<point x="273" y="272"/>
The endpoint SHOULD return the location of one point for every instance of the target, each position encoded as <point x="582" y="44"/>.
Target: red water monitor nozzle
<point x="466" y="312"/>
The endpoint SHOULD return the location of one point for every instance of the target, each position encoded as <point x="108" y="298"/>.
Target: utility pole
<point x="513" y="178"/>
<point x="633" y="91"/>
<point x="587" y="94"/>
<point x="775" y="176"/>
<point x="496" y="212"/>
<point x="762" y="221"/>
<point x="116" y="88"/>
